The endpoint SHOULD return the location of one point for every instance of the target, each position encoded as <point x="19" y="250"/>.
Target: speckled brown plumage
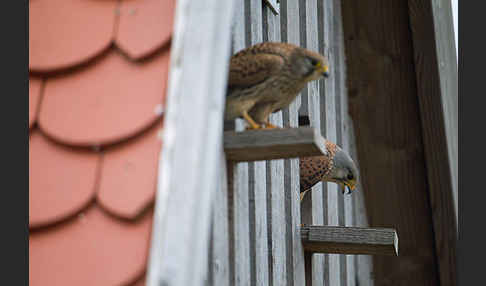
<point x="267" y="77"/>
<point x="313" y="169"/>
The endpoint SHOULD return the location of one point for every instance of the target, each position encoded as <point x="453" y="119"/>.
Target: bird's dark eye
<point x="350" y="176"/>
<point x="313" y="61"/>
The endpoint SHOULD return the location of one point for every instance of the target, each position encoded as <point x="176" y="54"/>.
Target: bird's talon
<point x="253" y="127"/>
<point x="270" y="126"/>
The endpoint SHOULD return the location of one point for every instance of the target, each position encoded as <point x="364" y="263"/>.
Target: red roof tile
<point x="65" y="33"/>
<point x="35" y="86"/>
<point x="90" y="249"/>
<point x="98" y="78"/>
<point x="61" y="180"/>
<point x="129" y="175"/>
<point x="141" y="282"/>
<point x="108" y="101"/>
<point x="145" y="25"/>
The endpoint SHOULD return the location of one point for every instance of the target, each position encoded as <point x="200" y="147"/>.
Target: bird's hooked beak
<point x="323" y="69"/>
<point x="351" y="184"/>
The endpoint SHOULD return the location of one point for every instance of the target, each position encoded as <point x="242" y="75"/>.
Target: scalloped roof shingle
<point x="97" y="86"/>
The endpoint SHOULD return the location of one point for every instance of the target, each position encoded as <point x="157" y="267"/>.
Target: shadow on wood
<point x="350" y="240"/>
<point x="256" y="145"/>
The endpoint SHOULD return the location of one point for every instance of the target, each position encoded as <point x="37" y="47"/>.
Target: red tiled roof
<point x="97" y="86"/>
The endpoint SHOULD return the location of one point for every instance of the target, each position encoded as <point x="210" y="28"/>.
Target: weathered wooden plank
<point x="329" y="130"/>
<point x="257" y="176"/>
<point x="381" y="73"/>
<point x="275" y="182"/>
<point x="322" y="40"/>
<point x="350" y="240"/>
<point x="254" y="145"/>
<point x="240" y="229"/>
<point x="289" y="28"/>
<point x="219" y="263"/>
<point x="304" y="108"/>
<point x="313" y="212"/>
<point x="190" y="162"/>
<point x="346" y="206"/>
<point x="363" y="264"/>
<point x="437" y="89"/>
<point x="295" y="250"/>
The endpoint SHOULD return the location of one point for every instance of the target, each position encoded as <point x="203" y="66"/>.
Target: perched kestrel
<point x="267" y="77"/>
<point x="335" y="166"/>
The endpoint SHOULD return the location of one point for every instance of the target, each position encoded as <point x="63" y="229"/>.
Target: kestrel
<point x="335" y="166"/>
<point x="267" y="77"/>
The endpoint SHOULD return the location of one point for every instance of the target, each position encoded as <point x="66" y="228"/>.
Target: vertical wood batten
<point x="240" y="209"/>
<point x="295" y="253"/>
<point x="321" y="40"/>
<point x="189" y="161"/>
<point x="345" y="202"/>
<point x="275" y="182"/>
<point x="363" y="264"/>
<point x="312" y="208"/>
<point x="359" y="267"/>
<point x="257" y="173"/>
<point x="328" y="110"/>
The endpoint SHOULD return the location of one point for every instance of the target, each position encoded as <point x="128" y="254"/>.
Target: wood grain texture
<point x="239" y="189"/>
<point x="329" y="130"/>
<point x="312" y="206"/>
<point x="190" y="161"/>
<point x="346" y="203"/>
<point x="254" y="145"/>
<point x="437" y="90"/>
<point x="257" y="177"/>
<point x="384" y="108"/>
<point x="363" y="264"/>
<point x="219" y="249"/>
<point x="275" y="182"/>
<point x="290" y="23"/>
<point x="350" y="240"/>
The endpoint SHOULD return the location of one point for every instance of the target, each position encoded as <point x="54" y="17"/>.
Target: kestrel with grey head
<point x="335" y="166"/>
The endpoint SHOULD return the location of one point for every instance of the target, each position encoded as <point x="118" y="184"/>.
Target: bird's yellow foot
<point x="251" y="122"/>
<point x="270" y="126"/>
<point x="253" y="127"/>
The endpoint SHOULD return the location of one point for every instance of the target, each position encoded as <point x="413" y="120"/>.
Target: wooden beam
<point x="256" y="145"/>
<point x="190" y="161"/>
<point x="350" y="240"/>
<point x="437" y="91"/>
<point x="383" y="104"/>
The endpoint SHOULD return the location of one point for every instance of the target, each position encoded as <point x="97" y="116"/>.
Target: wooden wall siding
<point x="312" y="208"/>
<point x="262" y="198"/>
<point x="275" y="181"/>
<point x="385" y="111"/>
<point x="346" y="203"/>
<point x="289" y="27"/>
<point x="363" y="264"/>
<point x="257" y="172"/>
<point x="239" y="190"/>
